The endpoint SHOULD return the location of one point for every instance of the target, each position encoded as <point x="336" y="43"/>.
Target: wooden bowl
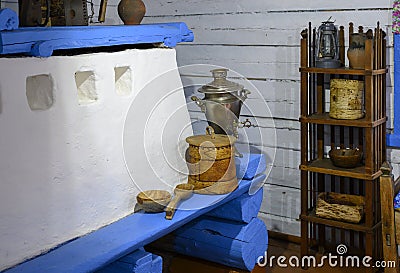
<point x="345" y="158"/>
<point x="153" y="200"/>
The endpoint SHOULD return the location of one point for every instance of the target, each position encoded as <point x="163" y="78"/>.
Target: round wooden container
<point x="345" y="158"/>
<point x="211" y="163"/>
<point x="346" y="100"/>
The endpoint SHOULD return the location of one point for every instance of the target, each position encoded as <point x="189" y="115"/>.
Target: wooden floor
<point x="278" y="247"/>
<point x="174" y="263"/>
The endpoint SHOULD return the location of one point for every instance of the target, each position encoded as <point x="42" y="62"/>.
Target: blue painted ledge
<point x="249" y="165"/>
<point x="242" y="209"/>
<point x="8" y="19"/>
<point x="138" y="261"/>
<point x="42" y="41"/>
<point x="110" y="243"/>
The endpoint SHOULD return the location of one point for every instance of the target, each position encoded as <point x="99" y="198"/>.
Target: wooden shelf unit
<point x="319" y="133"/>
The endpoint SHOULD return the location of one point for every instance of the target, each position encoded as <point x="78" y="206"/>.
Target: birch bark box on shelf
<point x="346" y="99"/>
<point x="341" y="207"/>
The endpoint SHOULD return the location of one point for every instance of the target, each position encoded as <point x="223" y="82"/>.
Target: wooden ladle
<point x="152" y="200"/>
<point x="182" y="192"/>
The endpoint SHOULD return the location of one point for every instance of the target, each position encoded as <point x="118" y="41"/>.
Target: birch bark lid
<point x="211" y="140"/>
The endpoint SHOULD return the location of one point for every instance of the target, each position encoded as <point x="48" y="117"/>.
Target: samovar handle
<point x="210" y="131"/>
<point x="200" y="103"/>
<point x="244" y="93"/>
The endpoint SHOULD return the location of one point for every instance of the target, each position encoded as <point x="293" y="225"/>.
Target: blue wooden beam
<point x="42" y="41"/>
<point x="8" y="19"/>
<point x="108" y="244"/>
<point x="156" y="264"/>
<point x="242" y="209"/>
<point x="250" y="165"/>
<point x="138" y="261"/>
<point x="226" y="242"/>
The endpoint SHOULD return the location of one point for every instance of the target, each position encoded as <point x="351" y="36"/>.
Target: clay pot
<point x="356" y="51"/>
<point x="357" y="40"/>
<point x="131" y="12"/>
<point x="356" y="58"/>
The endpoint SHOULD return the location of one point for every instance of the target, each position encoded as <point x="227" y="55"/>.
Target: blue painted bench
<point x="42" y="41"/>
<point x="231" y="234"/>
<point x="108" y="244"/>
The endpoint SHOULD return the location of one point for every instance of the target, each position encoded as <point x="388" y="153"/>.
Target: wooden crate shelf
<point x="319" y="131"/>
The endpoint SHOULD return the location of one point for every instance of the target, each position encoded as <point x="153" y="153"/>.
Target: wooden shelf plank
<point x="324" y="118"/>
<point x="342" y="71"/>
<point x="312" y="217"/>
<point x="325" y="166"/>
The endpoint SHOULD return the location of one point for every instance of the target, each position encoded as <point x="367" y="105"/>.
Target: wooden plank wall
<point x="259" y="40"/>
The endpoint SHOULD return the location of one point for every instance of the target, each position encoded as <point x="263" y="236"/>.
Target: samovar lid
<point x="220" y="84"/>
<point x="211" y="140"/>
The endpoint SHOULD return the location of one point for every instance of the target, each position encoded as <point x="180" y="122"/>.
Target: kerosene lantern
<point x="327" y="46"/>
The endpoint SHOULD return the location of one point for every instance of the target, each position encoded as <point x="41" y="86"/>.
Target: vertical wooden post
<point x="304" y="143"/>
<point x="369" y="102"/>
<point x="387" y="212"/>
<point x="369" y="217"/>
<point x="320" y="110"/>
<point x="369" y="57"/>
<point x="303" y="95"/>
<point x="341" y="46"/>
<point x="351" y="30"/>
<point x="304" y="211"/>
<point x="383" y="86"/>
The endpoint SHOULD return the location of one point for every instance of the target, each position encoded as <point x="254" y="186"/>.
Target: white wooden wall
<point x="259" y="39"/>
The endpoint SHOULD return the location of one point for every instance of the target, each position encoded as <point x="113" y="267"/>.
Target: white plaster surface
<point x="123" y="80"/>
<point x="86" y="86"/>
<point x="62" y="170"/>
<point x="39" y="92"/>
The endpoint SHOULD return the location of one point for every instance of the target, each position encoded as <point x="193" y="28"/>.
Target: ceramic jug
<point x="356" y="50"/>
<point x="131" y="12"/>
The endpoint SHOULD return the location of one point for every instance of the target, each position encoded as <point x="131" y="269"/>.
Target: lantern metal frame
<point x="330" y="60"/>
